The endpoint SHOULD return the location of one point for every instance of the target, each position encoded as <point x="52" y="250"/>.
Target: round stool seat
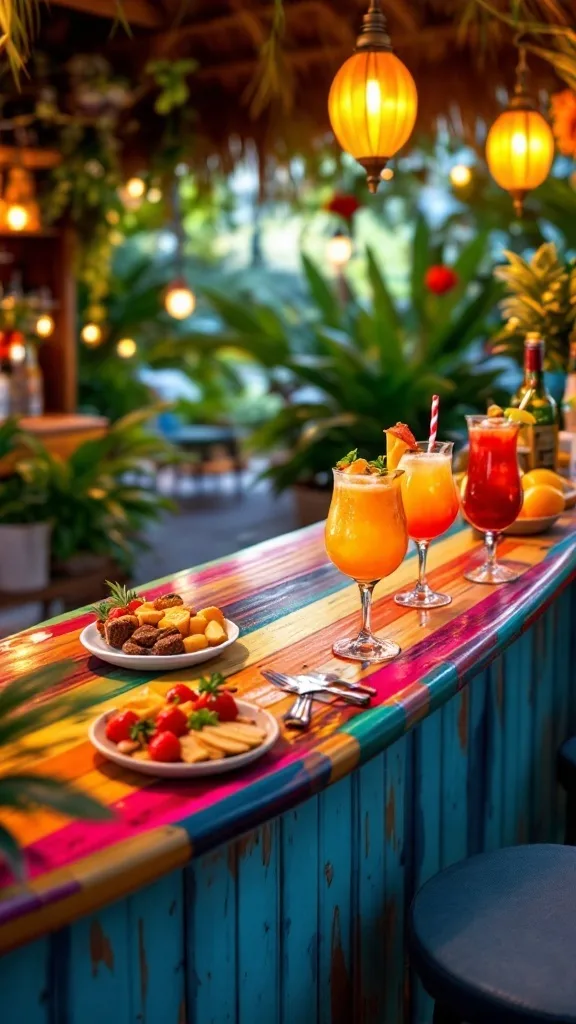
<point x="567" y="765"/>
<point x="494" y="937"/>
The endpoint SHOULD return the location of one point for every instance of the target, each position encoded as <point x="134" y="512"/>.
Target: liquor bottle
<point x="533" y="396"/>
<point x="569" y="400"/>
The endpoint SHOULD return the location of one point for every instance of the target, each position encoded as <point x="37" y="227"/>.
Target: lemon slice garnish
<point x="520" y="416"/>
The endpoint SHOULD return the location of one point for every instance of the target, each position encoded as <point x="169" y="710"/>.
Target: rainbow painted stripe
<point x="291" y="605"/>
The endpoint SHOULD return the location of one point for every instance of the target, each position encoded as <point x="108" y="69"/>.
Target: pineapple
<point x="541" y="298"/>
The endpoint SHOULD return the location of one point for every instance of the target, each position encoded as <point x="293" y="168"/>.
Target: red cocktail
<point x="493" y="495"/>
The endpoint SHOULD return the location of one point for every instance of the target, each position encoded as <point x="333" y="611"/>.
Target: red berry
<point x="180" y="693"/>
<point x="134" y="605"/>
<point x="164" y="746"/>
<point x="115" y="613"/>
<point x="440" y="279"/>
<point x="222" y="703"/>
<point x="172" y="720"/>
<point x="119" y="726"/>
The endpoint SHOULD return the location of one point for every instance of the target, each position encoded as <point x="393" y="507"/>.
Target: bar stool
<point x="493" y="938"/>
<point x="566" y="771"/>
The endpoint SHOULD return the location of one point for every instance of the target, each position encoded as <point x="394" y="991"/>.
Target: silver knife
<point x="307" y="685"/>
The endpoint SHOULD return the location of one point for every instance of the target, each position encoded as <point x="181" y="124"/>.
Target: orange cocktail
<point x="431" y="505"/>
<point x="366" y="538"/>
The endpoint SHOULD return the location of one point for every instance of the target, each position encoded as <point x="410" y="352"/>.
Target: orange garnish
<point x="399" y="439"/>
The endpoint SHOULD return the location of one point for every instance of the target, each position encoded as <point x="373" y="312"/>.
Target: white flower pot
<point x="24" y="557"/>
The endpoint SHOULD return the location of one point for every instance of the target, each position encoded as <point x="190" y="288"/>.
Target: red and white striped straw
<point x="433" y="421"/>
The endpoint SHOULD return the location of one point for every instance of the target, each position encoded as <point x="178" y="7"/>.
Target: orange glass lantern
<point x="520" y="144"/>
<point x="373" y="100"/>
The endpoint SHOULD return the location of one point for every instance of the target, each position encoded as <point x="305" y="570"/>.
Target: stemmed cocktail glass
<point x="366" y="539"/>
<point x="493" y="494"/>
<point x="431" y="505"/>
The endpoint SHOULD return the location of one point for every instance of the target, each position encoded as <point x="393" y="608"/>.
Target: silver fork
<point x="299" y="715"/>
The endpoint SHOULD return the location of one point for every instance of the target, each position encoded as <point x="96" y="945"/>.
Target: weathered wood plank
<point x="99" y="967"/>
<point x="211" y="937"/>
<point x="394" y="907"/>
<point x="427" y="828"/>
<point x="543" y="752"/>
<point x="28" y="997"/>
<point x="258" y="946"/>
<point x="494" y="756"/>
<point x="521" y="664"/>
<point x="299" y="917"/>
<point x="454" y="815"/>
<point x="335" y="904"/>
<point x="157" y="965"/>
<point x="369" y="918"/>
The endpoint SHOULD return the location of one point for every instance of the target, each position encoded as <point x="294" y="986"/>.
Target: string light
<point x="460" y="175"/>
<point x="339" y="250"/>
<point x="179" y="300"/>
<point x="44" y="326"/>
<point x="91" y="334"/>
<point x="126" y="348"/>
<point x="17" y="352"/>
<point x="135" y="188"/>
<point x="17" y="217"/>
<point x="154" y="195"/>
<point x="373" y="100"/>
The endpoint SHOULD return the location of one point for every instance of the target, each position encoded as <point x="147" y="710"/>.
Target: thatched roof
<point x="461" y="65"/>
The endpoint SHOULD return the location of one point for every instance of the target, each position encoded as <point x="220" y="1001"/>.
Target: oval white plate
<point x="524" y="527"/>
<point x="90" y="639"/>
<point x="180" y="770"/>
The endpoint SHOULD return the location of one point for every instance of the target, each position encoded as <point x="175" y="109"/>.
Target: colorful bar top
<point x="291" y="604"/>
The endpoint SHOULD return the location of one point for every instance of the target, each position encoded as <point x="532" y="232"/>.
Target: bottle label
<point x="544" y="443"/>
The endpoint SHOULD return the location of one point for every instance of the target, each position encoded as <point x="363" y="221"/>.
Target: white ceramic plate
<point x="570" y="498"/>
<point x="179" y="770"/>
<point x="524" y="527"/>
<point x="90" y="639"/>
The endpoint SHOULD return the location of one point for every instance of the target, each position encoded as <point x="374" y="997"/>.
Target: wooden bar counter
<point x="279" y="894"/>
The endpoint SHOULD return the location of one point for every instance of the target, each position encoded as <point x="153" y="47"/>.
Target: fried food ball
<point x="146" y="636"/>
<point x="172" y="644"/>
<point x="118" y="631"/>
<point x="167" y="601"/>
<point x="131" y="648"/>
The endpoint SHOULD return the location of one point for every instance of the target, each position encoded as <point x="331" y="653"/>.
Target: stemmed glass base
<point x="366" y="647"/>
<point x="491" y="571"/>
<point x="422" y="597"/>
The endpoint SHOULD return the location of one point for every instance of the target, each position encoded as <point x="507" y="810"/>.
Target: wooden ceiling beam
<point x="145" y="13"/>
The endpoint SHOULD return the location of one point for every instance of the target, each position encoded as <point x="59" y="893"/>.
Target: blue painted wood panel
<point x="304" y="919"/>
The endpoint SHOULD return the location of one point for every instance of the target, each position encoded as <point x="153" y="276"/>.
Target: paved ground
<point x="210" y="523"/>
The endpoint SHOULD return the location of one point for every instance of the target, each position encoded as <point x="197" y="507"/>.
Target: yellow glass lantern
<point x="373" y="100"/>
<point x="520" y="144"/>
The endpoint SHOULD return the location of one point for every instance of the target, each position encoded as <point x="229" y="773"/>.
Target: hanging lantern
<point x="179" y="300"/>
<point x="91" y="334"/>
<point x="373" y="100"/>
<point x="520" y="143"/>
<point x="20" y="210"/>
<point x="44" y="326"/>
<point x="339" y="250"/>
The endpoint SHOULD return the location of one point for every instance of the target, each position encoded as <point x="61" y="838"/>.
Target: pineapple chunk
<point x="148" y="616"/>
<point x="195" y="642"/>
<point x="181" y="621"/>
<point x="213" y="614"/>
<point x="215" y="633"/>
<point x="198" y="624"/>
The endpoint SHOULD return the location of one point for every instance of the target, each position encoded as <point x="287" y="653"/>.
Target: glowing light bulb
<point x="44" y="326"/>
<point x="126" y="348"/>
<point x="154" y="195"/>
<point x="17" y="352"/>
<point x="460" y="175"/>
<point x="17" y="217"/>
<point x="135" y="188"/>
<point x="339" y="250"/>
<point x="91" y="334"/>
<point x="179" y="301"/>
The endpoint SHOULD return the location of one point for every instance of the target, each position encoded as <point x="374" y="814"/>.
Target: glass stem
<point x="366" y="591"/>
<point x="491" y="540"/>
<point x="422" y="546"/>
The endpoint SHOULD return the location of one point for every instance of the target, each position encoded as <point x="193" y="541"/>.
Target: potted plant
<point x="541" y="297"/>
<point x="24" y="516"/>
<point x="347" y="371"/>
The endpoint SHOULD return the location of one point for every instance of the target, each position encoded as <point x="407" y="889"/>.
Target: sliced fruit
<point x="520" y="416"/>
<point x="541" y="501"/>
<point x="195" y="642"/>
<point x="212" y="613"/>
<point x="357" y="468"/>
<point x="399" y="439"/>
<point x="494" y="410"/>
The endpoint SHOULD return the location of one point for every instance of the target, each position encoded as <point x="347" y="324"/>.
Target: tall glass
<point x="431" y="505"/>
<point x="366" y="539"/>
<point x="493" y="494"/>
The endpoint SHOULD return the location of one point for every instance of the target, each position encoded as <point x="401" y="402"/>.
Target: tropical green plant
<point x="24" y="710"/>
<point x="542" y="299"/>
<point x="93" y="499"/>
<point x="346" y="371"/>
